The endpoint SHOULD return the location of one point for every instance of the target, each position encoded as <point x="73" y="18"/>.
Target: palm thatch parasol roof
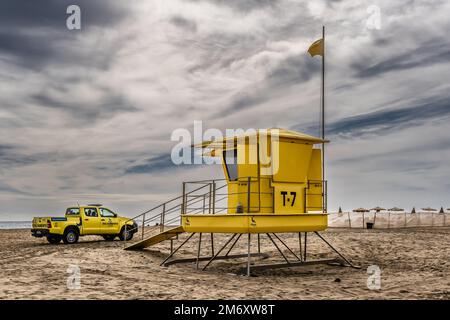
<point x="360" y="210"/>
<point x="377" y="209"/>
<point x="396" y="209"/>
<point x="428" y="209"/>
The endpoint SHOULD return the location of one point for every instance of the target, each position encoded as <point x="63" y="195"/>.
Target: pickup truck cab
<point x="84" y="220"/>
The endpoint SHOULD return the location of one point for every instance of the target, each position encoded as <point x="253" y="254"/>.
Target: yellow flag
<point x="316" y="48"/>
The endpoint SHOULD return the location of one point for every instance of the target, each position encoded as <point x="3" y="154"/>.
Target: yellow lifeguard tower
<point x="273" y="184"/>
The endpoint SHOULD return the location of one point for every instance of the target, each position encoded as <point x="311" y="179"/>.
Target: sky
<point x="87" y="115"/>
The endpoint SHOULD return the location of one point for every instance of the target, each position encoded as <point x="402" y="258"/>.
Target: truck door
<point x="91" y="221"/>
<point x="109" y="223"/>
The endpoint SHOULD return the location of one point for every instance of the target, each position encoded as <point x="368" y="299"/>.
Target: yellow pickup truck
<point x="84" y="220"/>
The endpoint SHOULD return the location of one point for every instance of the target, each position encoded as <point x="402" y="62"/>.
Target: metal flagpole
<point x="323" y="121"/>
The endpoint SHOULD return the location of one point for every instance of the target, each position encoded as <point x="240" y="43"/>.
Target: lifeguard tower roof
<point x="282" y="133"/>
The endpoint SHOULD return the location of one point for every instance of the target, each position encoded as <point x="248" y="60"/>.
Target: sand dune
<point x="414" y="264"/>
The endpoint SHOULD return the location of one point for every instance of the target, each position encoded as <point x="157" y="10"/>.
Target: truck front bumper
<point x="39" y="233"/>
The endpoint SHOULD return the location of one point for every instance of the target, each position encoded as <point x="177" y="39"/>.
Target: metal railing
<point x="211" y="197"/>
<point x="161" y="217"/>
<point x="215" y="198"/>
<point x="317" y="185"/>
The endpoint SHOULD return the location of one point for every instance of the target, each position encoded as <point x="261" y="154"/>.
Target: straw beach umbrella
<point x="361" y="210"/>
<point x="428" y="209"/>
<point x="377" y="209"/>
<point x="396" y="209"/>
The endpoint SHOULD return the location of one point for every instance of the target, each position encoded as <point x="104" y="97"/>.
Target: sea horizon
<point x="15" y="224"/>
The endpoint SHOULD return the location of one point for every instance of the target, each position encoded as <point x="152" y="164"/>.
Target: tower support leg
<point x="173" y="252"/>
<point x="286" y="246"/>
<point x="335" y="250"/>
<point x="248" y="255"/>
<point x="304" y="254"/>
<point x="300" y="245"/>
<point x="281" y="252"/>
<point x="259" y="244"/>
<point x="234" y="243"/>
<point x="221" y="249"/>
<point x="198" y="250"/>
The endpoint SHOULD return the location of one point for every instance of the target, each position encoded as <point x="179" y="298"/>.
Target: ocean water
<point x="15" y="224"/>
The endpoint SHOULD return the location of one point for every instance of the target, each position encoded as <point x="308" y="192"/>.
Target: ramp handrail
<point x="167" y="208"/>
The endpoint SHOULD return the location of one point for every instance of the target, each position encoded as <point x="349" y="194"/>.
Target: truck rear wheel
<point x="70" y="236"/>
<point x="54" y="239"/>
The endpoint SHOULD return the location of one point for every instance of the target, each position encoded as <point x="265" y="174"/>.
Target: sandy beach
<point x="414" y="263"/>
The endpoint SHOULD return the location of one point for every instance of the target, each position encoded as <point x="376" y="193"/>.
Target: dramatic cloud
<point x="87" y="115"/>
<point x="383" y="122"/>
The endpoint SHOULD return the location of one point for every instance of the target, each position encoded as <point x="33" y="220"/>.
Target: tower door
<point x="241" y="170"/>
<point x="248" y="177"/>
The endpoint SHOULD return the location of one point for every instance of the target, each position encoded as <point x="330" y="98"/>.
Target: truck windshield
<point x="72" y="211"/>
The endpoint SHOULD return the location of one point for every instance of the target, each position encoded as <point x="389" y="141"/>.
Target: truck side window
<point x="73" y="211"/>
<point x="106" y="213"/>
<point x="90" y="212"/>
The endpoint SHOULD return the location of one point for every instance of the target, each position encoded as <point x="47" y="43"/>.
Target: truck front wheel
<point x="70" y="236"/>
<point x="54" y="239"/>
<point x="126" y="234"/>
